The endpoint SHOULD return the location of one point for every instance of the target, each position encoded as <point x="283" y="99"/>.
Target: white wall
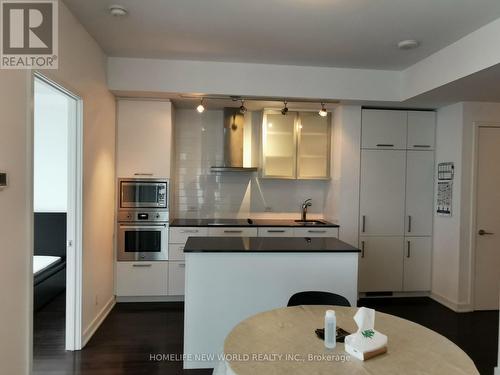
<point x="81" y="69"/>
<point x="454" y="236"/>
<point x="52" y="111"/>
<point x="202" y="194"/>
<point x="343" y="191"/>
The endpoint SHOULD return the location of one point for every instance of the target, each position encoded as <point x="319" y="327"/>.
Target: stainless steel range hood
<point x="234" y="136"/>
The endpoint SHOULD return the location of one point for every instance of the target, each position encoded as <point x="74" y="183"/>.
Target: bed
<point x="49" y="261"/>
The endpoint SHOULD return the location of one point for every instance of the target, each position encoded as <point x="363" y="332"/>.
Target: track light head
<point x="284" y="111"/>
<point x="243" y="109"/>
<point x="200" y="107"/>
<point x="322" y="112"/>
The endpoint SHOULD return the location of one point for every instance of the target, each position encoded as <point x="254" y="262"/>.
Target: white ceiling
<point x="340" y="33"/>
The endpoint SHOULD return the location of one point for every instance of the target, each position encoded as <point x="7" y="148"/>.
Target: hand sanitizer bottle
<point x="330" y="329"/>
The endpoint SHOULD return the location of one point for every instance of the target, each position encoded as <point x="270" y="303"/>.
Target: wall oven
<point x="142" y="236"/>
<point x="137" y="193"/>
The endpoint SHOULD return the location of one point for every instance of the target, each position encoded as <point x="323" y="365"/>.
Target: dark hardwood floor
<point x="133" y="331"/>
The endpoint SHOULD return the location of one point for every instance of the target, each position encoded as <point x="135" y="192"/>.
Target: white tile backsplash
<point x="202" y="194"/>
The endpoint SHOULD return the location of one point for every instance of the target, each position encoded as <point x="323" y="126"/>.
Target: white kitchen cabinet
<point x="141" y="279"/>
<point x="275" y="232"/>
<point x="417" y="264"/>
<point x="232" y="232"/>
<point x="382" y="192"/>
<point x="176" y="251"/>
<point x="179" y="235"/>
<point x="421" y="130"/>
<point x="144" y="138"/>
<point x="176" y="274"/>
<point x="419" y="193"/>
<point x="316" y="232"/>
<point x="279" y="144"/>
<point x="383" y="129"/>
<point x="381" y="264"/>
<point x="313" y="155"/>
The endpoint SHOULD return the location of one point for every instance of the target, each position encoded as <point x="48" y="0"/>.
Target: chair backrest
<point x="317" y="298"/>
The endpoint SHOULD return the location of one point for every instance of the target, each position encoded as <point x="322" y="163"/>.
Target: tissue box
<point x="366" y="344"/>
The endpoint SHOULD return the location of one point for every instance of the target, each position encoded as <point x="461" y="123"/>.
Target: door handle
<point x="363" y="225"/>
<point x="141" y="265"/>
<point x="482" y="232"/>
<point x="408" y="254"/>
<point x="409" y="223"/>
<point x="233" y="231"/>
<point x="385" y="145"/>
<point x="362" y="249"/>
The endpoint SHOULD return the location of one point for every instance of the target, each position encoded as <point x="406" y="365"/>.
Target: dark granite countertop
<point x="267" y="244"/>
<point x="246" y="223"/>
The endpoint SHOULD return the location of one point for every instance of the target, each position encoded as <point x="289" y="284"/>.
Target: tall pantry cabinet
<point x="396" y="200"/>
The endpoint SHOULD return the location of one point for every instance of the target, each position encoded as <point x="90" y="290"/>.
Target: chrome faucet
<point x="307" y="203"/>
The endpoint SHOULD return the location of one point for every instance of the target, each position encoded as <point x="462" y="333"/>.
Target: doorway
<point x="57" y="181"/>
<point x="487" y="249"/>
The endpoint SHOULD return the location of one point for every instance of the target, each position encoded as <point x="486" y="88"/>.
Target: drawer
<point x="176" y="251"/>
<point x="275" y="232"/>
<point x="316" y="232"/>
<point x="181" y="234"/>
<point x="176" y="274"/>
<point x="141" y="278"/>
<point x="232" y="232"/>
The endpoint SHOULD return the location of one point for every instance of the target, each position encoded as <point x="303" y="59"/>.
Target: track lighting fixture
<point x="200" y="107"/>
<point x="284" y="111"/>
<point x="243" y="109"/>
<point x="322" y="112"/>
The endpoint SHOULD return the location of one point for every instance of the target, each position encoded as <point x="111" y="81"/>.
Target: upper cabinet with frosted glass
<point x="295" y="145"/>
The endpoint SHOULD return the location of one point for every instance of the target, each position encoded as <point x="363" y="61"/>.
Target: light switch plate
<point x="3" y="180"/>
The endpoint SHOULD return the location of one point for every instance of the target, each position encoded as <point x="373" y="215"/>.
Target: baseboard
<point x="457" y="307"/>
<point x="96" y="323"/>
<point x="150" y="299"/>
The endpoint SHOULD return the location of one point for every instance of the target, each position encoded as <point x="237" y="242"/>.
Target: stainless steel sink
<point x="310" y="222"/>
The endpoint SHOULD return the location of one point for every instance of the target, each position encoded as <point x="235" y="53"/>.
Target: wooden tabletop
<point x="283" y="341"/>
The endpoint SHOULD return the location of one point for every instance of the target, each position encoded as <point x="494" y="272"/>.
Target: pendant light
<point x="200" y="107"/>
<point x="322" y="112"/>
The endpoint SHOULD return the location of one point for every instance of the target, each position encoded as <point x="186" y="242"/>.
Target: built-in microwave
<point x="143" y="193"/>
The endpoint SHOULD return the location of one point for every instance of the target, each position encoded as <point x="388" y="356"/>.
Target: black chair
<point x="317" y="298"/>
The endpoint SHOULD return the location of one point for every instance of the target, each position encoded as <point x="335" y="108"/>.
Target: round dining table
<point x="283" y="341"/>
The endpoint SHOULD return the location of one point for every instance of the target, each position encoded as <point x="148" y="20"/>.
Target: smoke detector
<point x="408" y="44"/>
<point x="117" y="11"/>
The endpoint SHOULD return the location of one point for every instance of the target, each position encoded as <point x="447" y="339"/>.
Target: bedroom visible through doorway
<point x="56" y="180"/>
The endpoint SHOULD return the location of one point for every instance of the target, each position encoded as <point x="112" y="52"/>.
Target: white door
<point x="487" y="254"/>
<point x="383" y="129"/>
<point x="382" y="200"/>
<point x="417" y="264"/>
<point x="419" y="193"/>
<point x="381" y="264"/>
<point x="421" y="130"/>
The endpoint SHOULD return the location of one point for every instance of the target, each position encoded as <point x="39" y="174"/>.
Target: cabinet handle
<point x="276" y="231"/>
<point x="422" y="146"/>
<point x="408" y="254"/>
<point x="362" y="249"/>
<point x="190" y="231"/>
<point x="316" y="231"/>
<point x="363" y="223"/>
<point x="409" y="223"/>
<point x="141" y="265"/>
<point x="182" y="265"/>
<point x="233" y="231"/>
<point x="143" y="174"/>
<point x="384" y="145"/>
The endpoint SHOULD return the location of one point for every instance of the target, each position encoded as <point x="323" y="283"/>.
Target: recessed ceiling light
<point x="408" y="44"/>
<point x="117" y="10"/>
<point x="200" y="107"/>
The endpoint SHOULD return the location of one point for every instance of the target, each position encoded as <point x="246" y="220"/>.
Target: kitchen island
<point x="229" y="279"/>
